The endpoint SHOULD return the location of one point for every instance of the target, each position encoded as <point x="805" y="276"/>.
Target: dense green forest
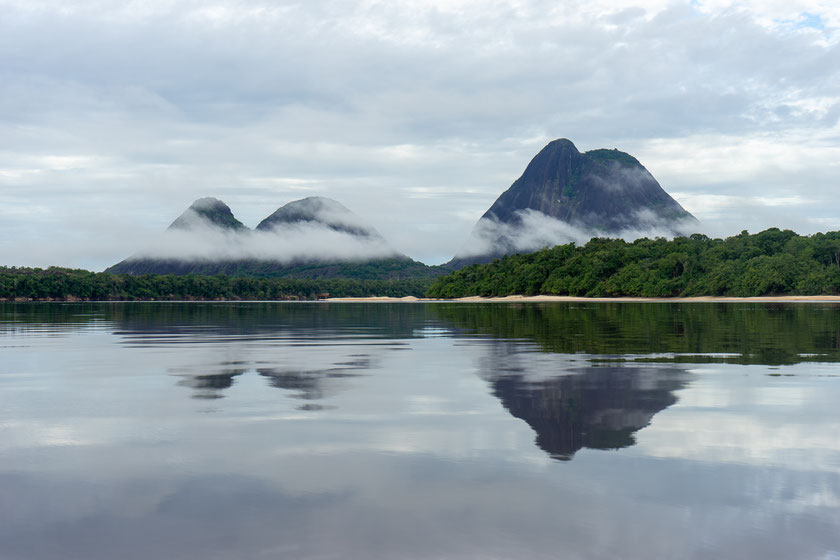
<point x="378" y="269"/>
<point x="65" y="284"/>
<point x="773" y="262"/>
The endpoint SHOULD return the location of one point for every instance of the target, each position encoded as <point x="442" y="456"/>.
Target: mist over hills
<point x="565" y="195"/>
<point x="314" y="237"/>
<point x="320" y="212"/>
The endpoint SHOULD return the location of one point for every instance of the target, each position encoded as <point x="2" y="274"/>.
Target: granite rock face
<point x="598" y="193"/>
<point x="317" y="210"/>
<point x="207" y="212"/>
<point x="604" y="190"/>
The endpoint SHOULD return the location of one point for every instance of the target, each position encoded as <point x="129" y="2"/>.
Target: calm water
<point x="419" y="431"/>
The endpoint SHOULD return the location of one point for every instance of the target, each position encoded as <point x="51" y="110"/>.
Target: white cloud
<point x="287" y="243"/>
<point x="534" y="230"/>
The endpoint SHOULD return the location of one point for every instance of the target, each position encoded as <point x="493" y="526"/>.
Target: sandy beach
<point x="542" y="299"/>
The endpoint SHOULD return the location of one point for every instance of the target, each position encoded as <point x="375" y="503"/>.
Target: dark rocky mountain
<point x="213" y="219"/>
<point x="317" y="210"/>
<point x="207" y="212"/>
<point x="598" y="193"/>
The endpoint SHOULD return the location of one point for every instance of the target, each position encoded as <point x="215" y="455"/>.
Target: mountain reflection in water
<point x="417" y="431"/>
<point x="598" y="408"/>
<point x="309" y="384"/>
<point x="210" y="386"/>
<point x="592" y="405"/>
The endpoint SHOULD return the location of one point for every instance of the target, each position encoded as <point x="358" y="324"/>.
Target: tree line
<point x="772" y="262"/>
<point x="65" y="284"/>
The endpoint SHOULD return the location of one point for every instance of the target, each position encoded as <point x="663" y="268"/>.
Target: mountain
<point x="565" y="195"/>
<point x="317" y="210"/>
<point x="314" y="237"/>
<point x="207" y="212"/>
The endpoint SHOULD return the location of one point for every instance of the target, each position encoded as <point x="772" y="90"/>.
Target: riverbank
<point x="470" y="299"/>
<point x="540" y="299"/>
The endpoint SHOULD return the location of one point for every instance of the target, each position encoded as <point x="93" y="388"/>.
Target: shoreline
<point x="579" y="299"/>
<point x="467" y="299"/>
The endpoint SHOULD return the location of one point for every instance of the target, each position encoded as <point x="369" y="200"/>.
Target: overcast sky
<point x="416" y="115"/>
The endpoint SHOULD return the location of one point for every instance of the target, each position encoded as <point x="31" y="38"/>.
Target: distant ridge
<point x="600" y="192"/>
<point x="305" y="219"/>
<point x="319" y="210"/>
<point x="207" y="212"/>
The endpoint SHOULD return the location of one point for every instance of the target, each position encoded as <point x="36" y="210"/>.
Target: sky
<point x="416" y="115"/>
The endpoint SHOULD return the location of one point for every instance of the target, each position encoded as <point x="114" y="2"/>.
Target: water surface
<point x="557" y="430"/>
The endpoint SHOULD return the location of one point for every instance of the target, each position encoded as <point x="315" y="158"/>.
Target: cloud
<point x="622" y="178"/>
<point x="534" y="230"/>
<point x="319" y="212"/>
<point x="299" y="242"/>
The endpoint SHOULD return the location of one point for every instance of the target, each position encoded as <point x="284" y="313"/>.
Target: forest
<point x="64" y="284"/>
<point x="772" y="262"/>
